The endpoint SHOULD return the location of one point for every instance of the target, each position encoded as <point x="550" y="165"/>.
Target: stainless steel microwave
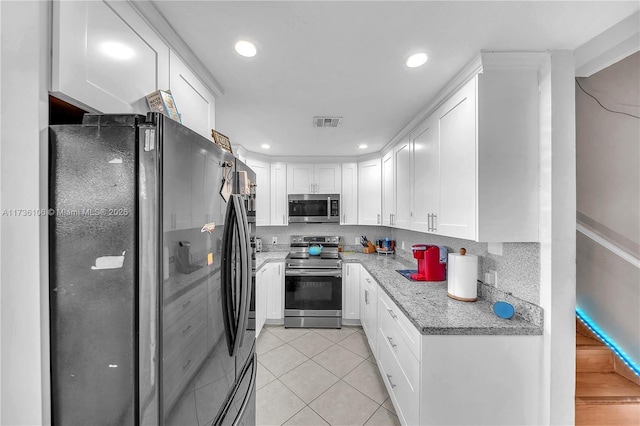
<point x="314" y="208"/>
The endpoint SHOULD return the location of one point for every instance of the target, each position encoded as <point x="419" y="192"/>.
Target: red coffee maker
<point x="430" y="267"/>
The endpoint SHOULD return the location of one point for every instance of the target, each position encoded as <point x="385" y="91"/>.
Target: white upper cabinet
<point x="402" y="185"/>
<point x="388" y="193"/>
<point x="425" y="175"/>
<point x="263" y="190"/>
<point x="349" y="195"/>
<point x="328" y="178"/>
<point x="105" y="57"/>
<point x="279" y="205"/>
<point x="475" y="158"/>
<point x="313" y="178"/>
<point x="508" y="147"/>
<point x="369" y="192"/>
<point x="195" y="103"/>
<point x="300" y="179"/>
<point x="456" y="120"/>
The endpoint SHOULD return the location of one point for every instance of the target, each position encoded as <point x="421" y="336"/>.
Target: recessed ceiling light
<point x="416" y="60"/>
<point x="265" y="146"/>
<point x="363" y="146"/>
<point x="246" y="48"/>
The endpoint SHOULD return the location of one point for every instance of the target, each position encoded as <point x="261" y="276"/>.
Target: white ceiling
<point x="347" y="59"/>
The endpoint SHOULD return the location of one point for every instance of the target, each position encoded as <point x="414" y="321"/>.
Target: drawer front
<point x="180" y="372"/>
<point x="182" y="332"/>
<point x="405" y="397"/>
<point x="393" y="335"/>
<point x="182" y="305"/>
<point x="405" y="328"/>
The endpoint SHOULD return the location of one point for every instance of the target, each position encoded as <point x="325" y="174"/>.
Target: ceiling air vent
<point x="327" y="121"/>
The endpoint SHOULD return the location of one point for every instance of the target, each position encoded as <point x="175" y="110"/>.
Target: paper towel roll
<point x="463" y="277"/>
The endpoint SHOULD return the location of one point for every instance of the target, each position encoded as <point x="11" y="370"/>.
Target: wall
<point x="608" y="200"/>
<point x="557" y="237"/>
<point x="24" y="319"/>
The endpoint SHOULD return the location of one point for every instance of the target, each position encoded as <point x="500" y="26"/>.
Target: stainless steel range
<point x="313" y="283"/>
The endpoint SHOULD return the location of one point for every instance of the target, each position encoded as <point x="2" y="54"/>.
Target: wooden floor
<point x="603" y="397"/>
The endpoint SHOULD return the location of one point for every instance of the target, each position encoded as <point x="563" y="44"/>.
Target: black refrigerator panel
<point x="198" y="372"/>
<point x="93" y="272"/>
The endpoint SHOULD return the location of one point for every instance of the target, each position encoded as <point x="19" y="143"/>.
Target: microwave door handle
<point x="226" y="277"/>
<point x="329" y="208"/>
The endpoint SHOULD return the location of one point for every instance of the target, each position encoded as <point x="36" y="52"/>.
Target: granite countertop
<point x="428" y="307"/>
<point x="426" y="303"/>
<point x="269" y="256"/>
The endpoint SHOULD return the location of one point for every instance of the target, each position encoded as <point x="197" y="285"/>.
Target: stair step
<point x="604" y="385"/>
<point x="582" y="340"/>
<point x="607" y="414"/>
<point x="594" y="359"/>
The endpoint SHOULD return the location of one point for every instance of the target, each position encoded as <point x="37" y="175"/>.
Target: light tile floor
<point x="319" y="377"/>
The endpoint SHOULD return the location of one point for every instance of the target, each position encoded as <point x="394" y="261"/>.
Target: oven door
<point x="313" y="293"/>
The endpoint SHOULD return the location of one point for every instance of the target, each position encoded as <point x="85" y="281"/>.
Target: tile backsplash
<point x="518" y="268"/>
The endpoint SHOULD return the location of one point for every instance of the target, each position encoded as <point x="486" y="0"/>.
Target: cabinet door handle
<point x="393" y="345"/>
<point x="344" y="218"/>
<point x="366" y="297"/>
<point x="389" y="376"/>
<point x="378" y="219"/>
<point x="392" y="314"/>
<point x="283" y="219"/>
<point x="435" y="223"/>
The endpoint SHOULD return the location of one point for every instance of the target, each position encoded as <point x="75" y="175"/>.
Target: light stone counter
<point x="426" y="303"/>
<point x="428" y="307"/>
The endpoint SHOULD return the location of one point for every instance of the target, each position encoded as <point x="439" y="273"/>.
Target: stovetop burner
<point x="299" y="257"/>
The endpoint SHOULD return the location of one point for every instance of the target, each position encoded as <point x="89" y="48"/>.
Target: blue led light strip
<point x="607" y="341"/>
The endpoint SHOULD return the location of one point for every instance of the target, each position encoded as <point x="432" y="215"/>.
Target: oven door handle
<point x="306" y="273"/>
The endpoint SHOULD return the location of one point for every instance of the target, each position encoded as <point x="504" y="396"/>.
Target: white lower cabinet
<point x="275" y="292"/>
<point x="262" y="284"/>
<point x="451" y="379"/>
<point x="404" y="394"/>
<point x="369" y="307"/>
<point x="351" y="293"/>
<point x="269" y="295"/>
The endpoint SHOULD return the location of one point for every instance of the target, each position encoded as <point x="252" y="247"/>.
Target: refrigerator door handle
<point x="252" y="386"/>
<point x="245" y="261"/>
<point x="227" y="278"/>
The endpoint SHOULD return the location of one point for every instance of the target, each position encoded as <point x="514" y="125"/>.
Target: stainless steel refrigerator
<point x="151" y="269"/>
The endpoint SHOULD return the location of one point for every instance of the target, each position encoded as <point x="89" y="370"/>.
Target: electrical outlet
<point x="274" y="240"/>
<point x="402" y="245"/>
<point x="357" y="240"/>
<point x="491" y="277"/>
